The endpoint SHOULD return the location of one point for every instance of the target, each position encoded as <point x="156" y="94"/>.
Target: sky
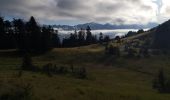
<point x="72" y="12"/>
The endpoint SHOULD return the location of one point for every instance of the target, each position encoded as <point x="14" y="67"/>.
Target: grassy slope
<point x="108" y="79"/>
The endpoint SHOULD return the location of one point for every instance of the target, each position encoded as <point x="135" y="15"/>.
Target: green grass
<point x="108" y="78"/>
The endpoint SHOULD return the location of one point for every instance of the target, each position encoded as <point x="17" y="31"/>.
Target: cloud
<point x="104" y="11"/>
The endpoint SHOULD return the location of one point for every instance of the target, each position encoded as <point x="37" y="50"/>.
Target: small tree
<point x="101" y="38"/>
<point x="48" y="69"/>
<point x="160" y="83"/>
<point x="106" y="49"/>
<point x="114" y="50"/>
<point x="27" y="63"/>
<point x="140" y="31"/>
<point x="131" y="52"/>
<point x="80" y="73"/>
<point x="118" y="39"/>
<point x="106" y="39"/>
<point x="89" y="36"/>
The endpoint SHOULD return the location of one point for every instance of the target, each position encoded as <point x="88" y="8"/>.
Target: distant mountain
<point x="97" y="26"/>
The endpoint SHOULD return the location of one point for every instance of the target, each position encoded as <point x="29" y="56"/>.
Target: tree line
<point x="29" y="36"/>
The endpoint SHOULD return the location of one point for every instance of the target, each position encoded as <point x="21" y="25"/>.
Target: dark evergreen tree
<point x="56" y="40"/>
<point x="81" y="37"/>
<point x="35" y="35"/>
<point x="72" y="41"/>
<point x="22" y="37"/>
<point x="106" y="39"/>
<point x="27" y="63"/>
<point x="94" y="39"/>
<point x="46" y="38"/>
<point x="89" y="37"/>
<point x="2" y="33"/>
<point x="2" y="26"/>
<point x="10" y="41"/>
<point x="7" y="25"/>
<point x="101" y="38"/>
<point x="6" y="35"/>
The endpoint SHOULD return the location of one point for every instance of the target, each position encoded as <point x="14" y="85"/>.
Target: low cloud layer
<point x="104" y="11"/>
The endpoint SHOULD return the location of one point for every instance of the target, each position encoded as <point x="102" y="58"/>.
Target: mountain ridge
<point x="108" y="26"/>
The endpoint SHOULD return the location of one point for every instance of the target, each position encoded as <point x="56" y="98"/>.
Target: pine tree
<point x="35" y="35"/>
<point x="101" y="38"/>
<point x="88" y="35"/>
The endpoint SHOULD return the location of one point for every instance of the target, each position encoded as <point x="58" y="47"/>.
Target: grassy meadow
<point x="108" y="78"/>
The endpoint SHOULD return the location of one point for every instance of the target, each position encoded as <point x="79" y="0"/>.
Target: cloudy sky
<point x="81" y="11"/>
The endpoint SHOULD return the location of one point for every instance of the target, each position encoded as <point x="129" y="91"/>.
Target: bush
<point x="47" y="69"/>
<point x="27" y="63"/>
<point x="118" y="39"/>
<point x="80" y="73"/>
<point x="20" y="73"/>
<point x="161" y="83"/>
<point x="113" y="50"/>
<point x="131" y="52"/>
<point x="17" y="92"/>
<point x="51" y="69"/>
<point x="156" y="52"/>
<point x="144" y="52"/>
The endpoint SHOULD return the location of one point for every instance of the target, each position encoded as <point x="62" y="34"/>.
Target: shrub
<point x="161" y="83"/>
<point x="156" y="52"/>
<point x="113" y="50"/>
<point x="131" y="52"/>
<point x="20" y="73"/>
<point x="27" y="63"/>
<point x="17" y="92"/>
<point x="72" y="68"/>
<point x="80" y="73"/>
<point x="51" y="69"/>
<point x="144" y="52"/>
<point x="48" y="69"/>
<point x="118" y="39"/>
<point x="62" y="70"/>
<point x="106" y="49"/>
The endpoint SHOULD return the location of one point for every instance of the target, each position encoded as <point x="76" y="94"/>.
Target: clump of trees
<point x="161" y="83"/>
<point x="132" y="33"/>
<point x="80" y="38"/>
<point x="140" y="31"/>
<point x="27" y="36"/>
